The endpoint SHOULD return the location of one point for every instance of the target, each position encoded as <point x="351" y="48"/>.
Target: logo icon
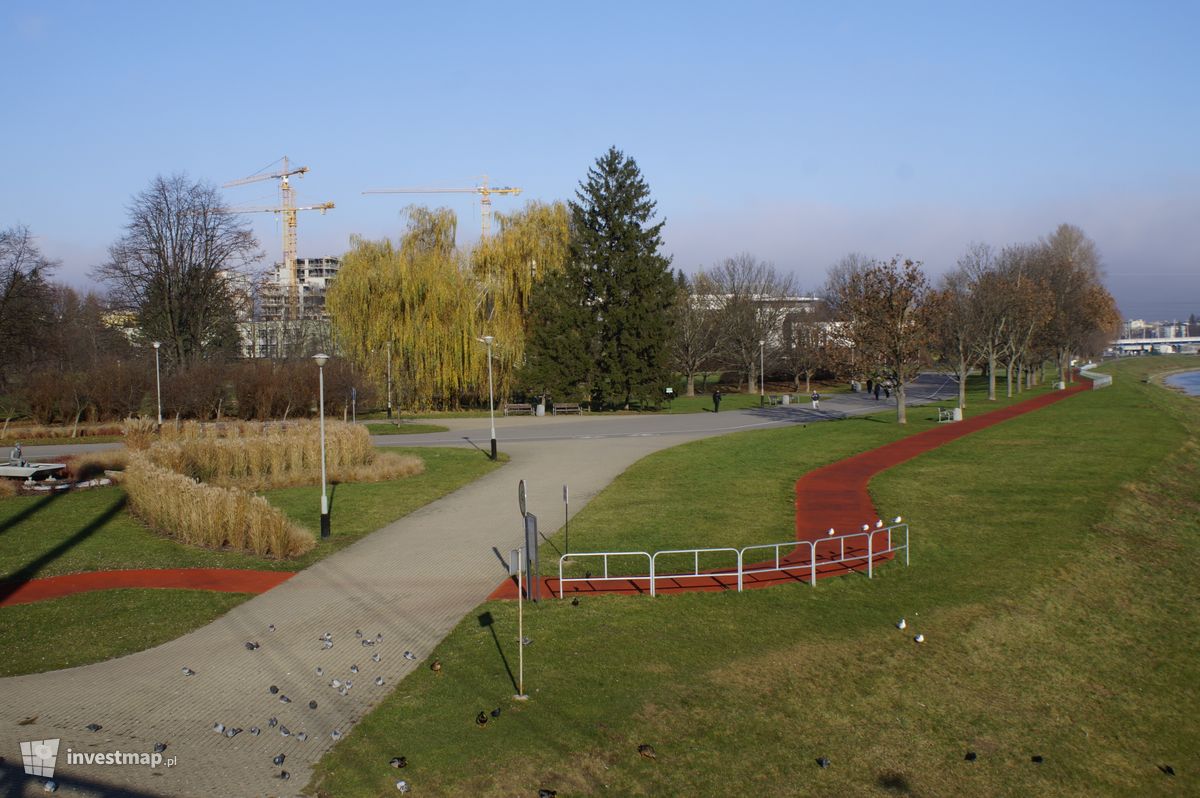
<point x="39" y="757"/>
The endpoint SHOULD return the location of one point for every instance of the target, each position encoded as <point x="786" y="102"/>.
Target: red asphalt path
<point x="225" y="580"/>
<point x="833" y="496"/>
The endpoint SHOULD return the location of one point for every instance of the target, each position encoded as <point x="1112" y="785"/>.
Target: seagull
<point x="919" y="638"/>
<point x="647" y="750"/>
<point x="271" y="628"/>
<point x="219" y="727"/>
<point x="436" y="666"/>
<point x="409" y="655"/>
<point x="336" y="683"/>
<point x="823" y="762"/>
<point x="830" y="532"/>
<point x="897" y="520"/>
<point x="336" y="735"/>
<point x="344" y="691"/>
<point x="349" y="684"/>
<point x="971" y="756"/>
<point x="278" y="760"/>
<point x="375" y="658"/>
<point x="188" y="671"/>
<point x="93" y="727"/>
<point x="312" y="704"/>
<point x="402" y="785"/>
<point x="879" y="523"/>
<point x="865" y="527"/>
<point x="274" y="690"/>
<point x="902" y="624"/>
<point x="399" y="762"/>
<point x="327" y="636"/>
<point x="160" y="747"/>
<point x="354" y="669"/>
<point x="481" y="719"/>
<point x="379" y="681"/>
<point x="328" y="644"/>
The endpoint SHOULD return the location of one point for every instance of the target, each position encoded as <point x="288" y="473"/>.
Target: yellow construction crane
<point x="288" y="208"/>
<point x="484" y="191"/>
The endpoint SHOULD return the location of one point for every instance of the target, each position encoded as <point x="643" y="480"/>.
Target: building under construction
<point x="289" y="320"/>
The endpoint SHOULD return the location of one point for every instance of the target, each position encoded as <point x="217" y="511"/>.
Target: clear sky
<point x="794" y="131"/>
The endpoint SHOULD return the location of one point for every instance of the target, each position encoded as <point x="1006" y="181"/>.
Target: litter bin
<point x="956" y="414"/>
<point x="1060" y="386"/>
<point x="539" y="410"/>
<point x="787" y="399"/>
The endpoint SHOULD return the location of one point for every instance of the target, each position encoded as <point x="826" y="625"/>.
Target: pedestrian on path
<point x="816" y="400"/>
<point x="887" y="391"/>
<point x="716" y="400"/>
<point x="870" y="384"/>
<point x="877" y="388"/>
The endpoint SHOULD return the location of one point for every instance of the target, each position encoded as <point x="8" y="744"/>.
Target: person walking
<point x="816" y="400"/>
<point x="716" y="400"/>
<point x="887" y="391"/>
<point x="877" y="389"/>
<point x="870" y="384"/>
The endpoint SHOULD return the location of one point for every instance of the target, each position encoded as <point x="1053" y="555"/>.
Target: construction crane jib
<point x="484" y="191"/>
<point x="288" y="208"/>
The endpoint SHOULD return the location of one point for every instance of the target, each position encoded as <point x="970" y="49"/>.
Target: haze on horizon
<point x="795" y="132"/>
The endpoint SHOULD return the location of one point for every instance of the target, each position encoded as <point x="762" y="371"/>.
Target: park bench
<point x="518" y="409"/>
<point x="945" y="414"/>
<point x="567" y="407"/>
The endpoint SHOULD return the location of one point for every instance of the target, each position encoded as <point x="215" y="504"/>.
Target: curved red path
<point x="224" y="580"/>
<point x="833" y="496"/>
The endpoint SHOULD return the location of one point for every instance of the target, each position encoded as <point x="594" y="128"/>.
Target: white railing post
<point x="739" y="570"/>
<point x="870" y="555"/>
<point x="652" y="575"/>
<point x="906" y="545"/>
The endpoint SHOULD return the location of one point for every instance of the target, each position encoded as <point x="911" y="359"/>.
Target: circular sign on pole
<point x="565" y="494"/>
<point x="521" y="496"/>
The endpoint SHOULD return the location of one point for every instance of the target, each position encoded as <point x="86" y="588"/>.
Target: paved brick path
<point x="225" y="580"/>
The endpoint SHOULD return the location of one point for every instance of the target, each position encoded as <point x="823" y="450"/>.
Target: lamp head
<point x="157" y="344"/>
<point x="487" y="339"/>
<point x="321" y="359"/>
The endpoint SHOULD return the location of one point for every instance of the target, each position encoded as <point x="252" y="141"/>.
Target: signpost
<point x="566" y="523"/>
<point x="524" y="573"/>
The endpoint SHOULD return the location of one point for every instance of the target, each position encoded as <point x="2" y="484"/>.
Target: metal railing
<point x="778" y="563"/>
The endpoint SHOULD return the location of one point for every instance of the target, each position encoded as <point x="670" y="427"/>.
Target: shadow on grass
<point x="28" y="571"/>
<point x="31" y="510"/>
<point x="486" y="620"/>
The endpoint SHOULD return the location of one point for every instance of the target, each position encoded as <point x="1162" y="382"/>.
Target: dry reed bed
<point x="209" y="515"/>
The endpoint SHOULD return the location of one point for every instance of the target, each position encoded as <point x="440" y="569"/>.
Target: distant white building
<point x="291" y="325"/>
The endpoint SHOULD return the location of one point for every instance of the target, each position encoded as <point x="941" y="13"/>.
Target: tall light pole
<point x="762" y="375"/>
<point x="389" y="379"/>
<point x="158" y="381"/>
<point x="487" y="339"/>
<point x="321" y="361"/>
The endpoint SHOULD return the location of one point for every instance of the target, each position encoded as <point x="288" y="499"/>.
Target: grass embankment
<point x="90" y="531"/>
<point x="1054" y="572"/>
<point x="403" y="428"/>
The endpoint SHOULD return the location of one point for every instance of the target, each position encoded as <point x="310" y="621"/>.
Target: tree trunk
<point x="962" y="383"/>
<point x="807" y="383"/>
<point x="991" y="377"/>
<point x="1008" y="368"/>
<point x="691" y="384"/>
<point x="901" y="409"/>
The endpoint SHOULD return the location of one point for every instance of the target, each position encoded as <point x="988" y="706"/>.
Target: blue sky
<point x="794" y="131"/>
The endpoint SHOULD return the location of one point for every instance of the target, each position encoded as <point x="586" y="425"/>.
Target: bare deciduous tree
<point x="25" y="297"/>
<point x="170" y="267"/>
<point x="748" y="295"/>
<point x="694" y="342"/>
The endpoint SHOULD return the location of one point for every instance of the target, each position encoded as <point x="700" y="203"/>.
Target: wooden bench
<point x="567" y="407"/>
<point x="945" y="414"/>
<point x="518" y="409"/>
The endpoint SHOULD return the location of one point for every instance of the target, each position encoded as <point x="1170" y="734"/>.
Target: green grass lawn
<point x="91" y="531"/>
<point x="1054" y="574"/>
<point x="404" y="428"/>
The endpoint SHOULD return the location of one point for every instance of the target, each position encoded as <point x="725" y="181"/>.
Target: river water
<point x="1186" y="381"/>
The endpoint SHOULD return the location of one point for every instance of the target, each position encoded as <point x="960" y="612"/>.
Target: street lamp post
<point x="158" y="381"/>
<point x="487" y="339"/>
<point x="762" y="376"/>
<point x="389" y="379"/>
<point x="321" y="361"/>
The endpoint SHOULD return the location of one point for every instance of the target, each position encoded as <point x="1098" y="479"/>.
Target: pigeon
<point x="481" y="719"/>
<point x="284" y="731"/>
<point x="379" y="681"/>
<point x="354" y="669"/>
<point x="272" y="723"/>
<point x="408" y="655"/>
<point x="274" y="690"/>
<point x="343" y="691"/>
<point x="399" y="762"/>
<point x="919" y="639"/>
<point x="284" y="775"/>
<point x="231" y="733"/>
<point x="375" y="658"/>
<point x="349" y="684"/>
<point x="320" y="671"/>
<point x="50" y="786"/>
<point x="402" y="785"/>
<point x="1037" y="759"/>
<point x="160" y="747"/>
<point x="379" y="637"/>
<point x="93" y="727"/>
<point x="255" y="731"/>
<point x="436" y="666"/>
<point x="525" y="641"/>
<point x="971" y="756"/>
<point x="336" y="735"/>
<point x="278" y="760"/>
<point x="587" y="574"/>
<point x="312" y="704"/>
<point x="368" y="643"/>
<point x="545" y="793"/>
<point x="327" y="636"/>
<point x="647" y="750"/>
<point x="301" y="736"/>
<point x="251" y="646"/>
<point x="496" y="712"/>
<point x="284" y="699"/>
<point x="574" y="603"/>
<point x="822" y="762"/>
<point x="358" y="633"/>
<point x="327" y="644"/>
<point x="188" y="671"/>
<point x="271" y="628"/>
<point x="1167" y="770"/>
<point x="901" y="624"/>
<point x="219" y="727"/>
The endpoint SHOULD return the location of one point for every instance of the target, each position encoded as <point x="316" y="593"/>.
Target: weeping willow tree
<point x="432" y="302"/>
